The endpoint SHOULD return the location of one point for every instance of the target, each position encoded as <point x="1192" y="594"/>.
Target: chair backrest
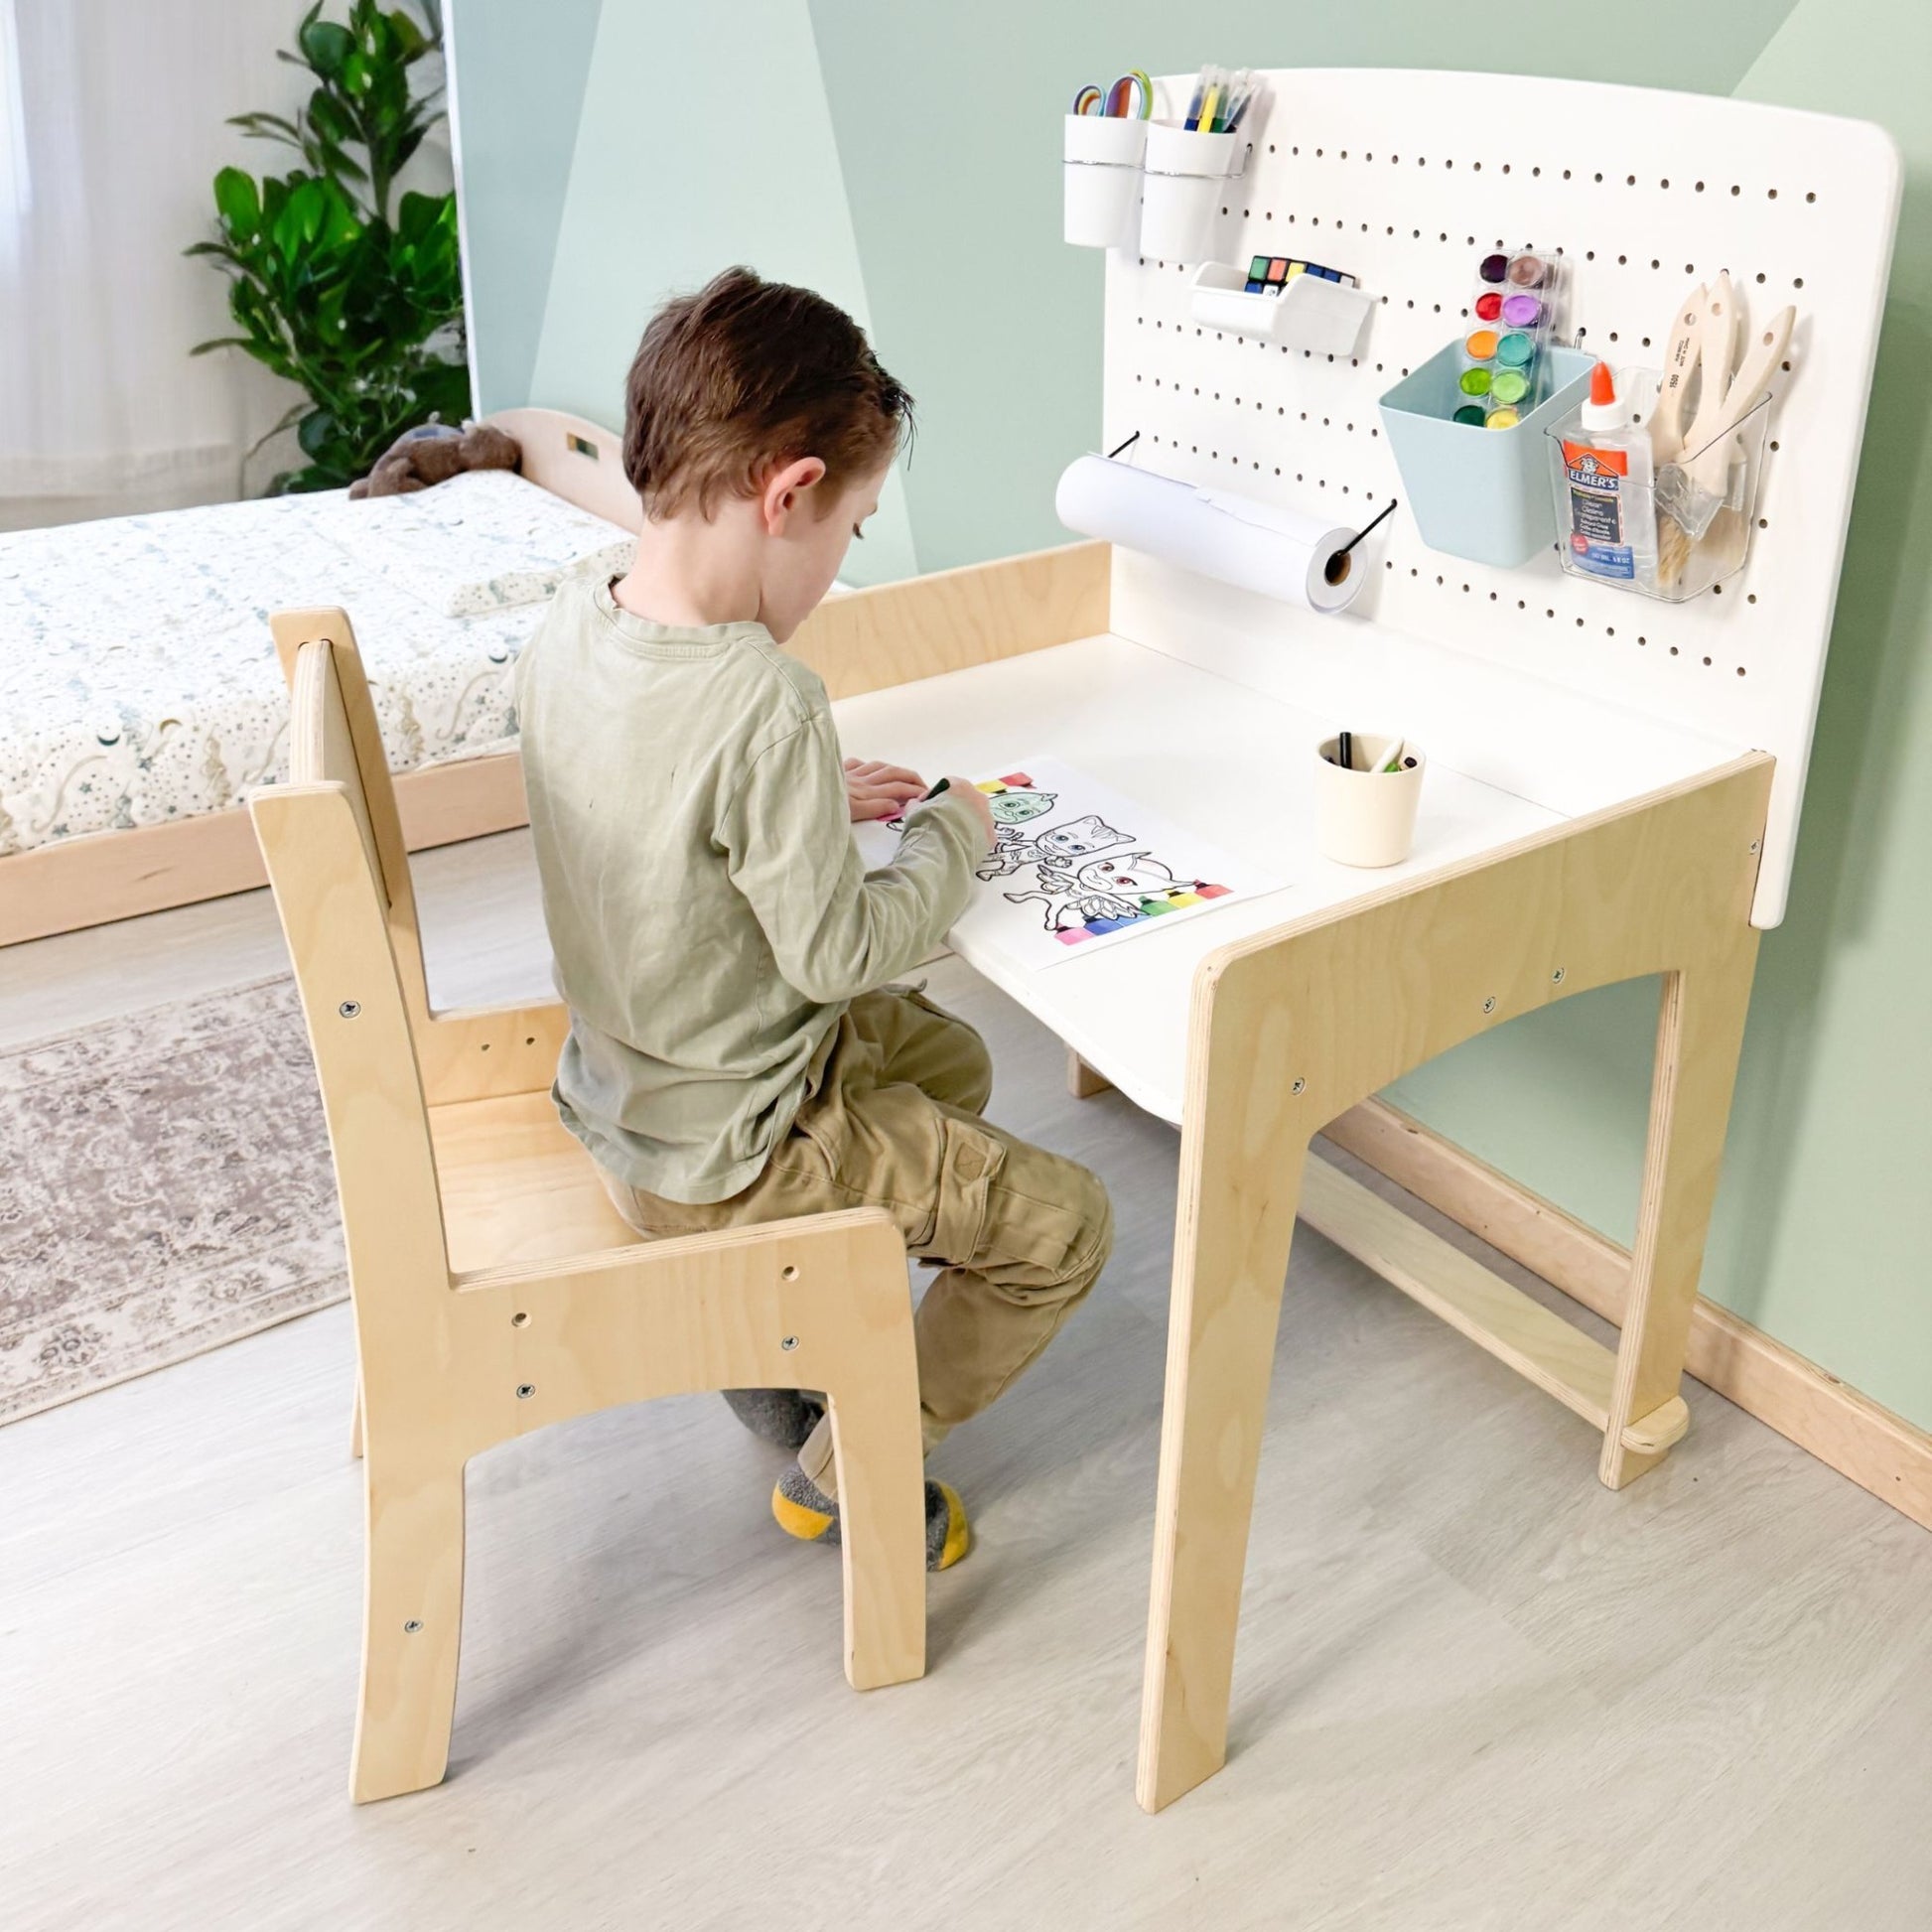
<point x="333" y="850"/>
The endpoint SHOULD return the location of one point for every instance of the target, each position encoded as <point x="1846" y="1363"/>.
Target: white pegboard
<point x="1392" y="177"/>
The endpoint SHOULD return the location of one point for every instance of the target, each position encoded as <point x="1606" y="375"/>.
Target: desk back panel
<point x="1406" y="180"/>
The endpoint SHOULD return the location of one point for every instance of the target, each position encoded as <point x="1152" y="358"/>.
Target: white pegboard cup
<point x="1180" y="194"/>
<point x="1101" y="164"/>
<point x="1476" y="493"/>
<point x="1367" y="816"/>
<point x="1311" y="313"/>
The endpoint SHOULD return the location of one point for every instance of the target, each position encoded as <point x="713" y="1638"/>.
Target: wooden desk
<point x="1255" y="1026"/>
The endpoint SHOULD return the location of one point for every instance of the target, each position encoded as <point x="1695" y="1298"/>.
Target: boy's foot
<point x="781" y="1416"/>
<point x="805" y="1511"/>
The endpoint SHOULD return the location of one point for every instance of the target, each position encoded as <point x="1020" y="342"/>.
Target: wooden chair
<point x="495" y="1288"/>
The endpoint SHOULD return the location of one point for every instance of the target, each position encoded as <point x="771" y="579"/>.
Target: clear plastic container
<point x="1713" y="485"/>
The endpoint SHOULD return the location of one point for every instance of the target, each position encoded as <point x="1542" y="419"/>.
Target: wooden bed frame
<point x="106" y="875"/>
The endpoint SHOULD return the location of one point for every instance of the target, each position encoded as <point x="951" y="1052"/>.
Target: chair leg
<point x="881" y="1525"/>
<point x="1230" y="1259"/>
<point x="1699" y="1036"/>
<point x="413" y="1622"/>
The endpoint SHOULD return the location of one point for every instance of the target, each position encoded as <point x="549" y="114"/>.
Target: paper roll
<point x="1234" y="539"/>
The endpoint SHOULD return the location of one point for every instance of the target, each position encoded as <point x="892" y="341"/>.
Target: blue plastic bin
<point x="1480" y="494"/>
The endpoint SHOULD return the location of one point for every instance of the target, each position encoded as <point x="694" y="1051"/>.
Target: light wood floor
<point x="1474" y="1687"/>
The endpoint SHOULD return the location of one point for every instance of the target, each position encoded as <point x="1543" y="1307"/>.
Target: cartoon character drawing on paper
<point x="1074" y="840"/>
<point x="1102" y="889"/>
<point x="1010" y="809"/>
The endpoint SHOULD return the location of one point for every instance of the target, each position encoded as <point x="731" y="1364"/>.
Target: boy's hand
<point x="982" y="807"/>
<point x="876" y="791"/>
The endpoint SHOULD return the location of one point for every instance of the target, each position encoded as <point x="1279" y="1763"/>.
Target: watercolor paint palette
<point x="1512" y="317"/>
<point x="1076" y="867"/>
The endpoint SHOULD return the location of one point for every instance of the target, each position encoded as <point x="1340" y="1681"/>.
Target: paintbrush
<point x="1696" y="495"/>
<point x="1681" y="352"/>
<point x="1717" y="342"/>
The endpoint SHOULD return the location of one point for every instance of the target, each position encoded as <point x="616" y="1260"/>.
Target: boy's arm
<point x="836" y="930"/>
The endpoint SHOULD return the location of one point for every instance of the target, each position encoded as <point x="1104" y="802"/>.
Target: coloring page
<point x="1076" y="867"/>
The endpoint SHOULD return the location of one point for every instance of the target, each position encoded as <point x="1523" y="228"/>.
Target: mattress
<point x="138" y="682"/>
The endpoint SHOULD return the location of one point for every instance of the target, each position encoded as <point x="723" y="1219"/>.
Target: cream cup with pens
<point x="1368" y="785"/>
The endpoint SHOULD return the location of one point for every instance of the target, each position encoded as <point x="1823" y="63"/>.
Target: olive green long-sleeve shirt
<point x="709" y="913"/>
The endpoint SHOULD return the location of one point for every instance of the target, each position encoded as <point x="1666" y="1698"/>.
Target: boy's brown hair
<point x="746" y="374"/>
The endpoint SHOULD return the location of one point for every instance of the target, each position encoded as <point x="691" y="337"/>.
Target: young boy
<point x="737" y="1052"/>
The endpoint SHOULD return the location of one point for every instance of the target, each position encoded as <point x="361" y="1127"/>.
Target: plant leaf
<point x="237" y="203"/>
<point x="326" y="45"/>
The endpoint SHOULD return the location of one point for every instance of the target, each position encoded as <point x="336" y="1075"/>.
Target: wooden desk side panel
<point x="897" y="634"/>
<point x="1381" y="986"/>
<point x="1291" y="1027"/>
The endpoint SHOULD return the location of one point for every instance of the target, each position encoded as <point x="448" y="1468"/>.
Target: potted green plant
<point x="359" y="305"/>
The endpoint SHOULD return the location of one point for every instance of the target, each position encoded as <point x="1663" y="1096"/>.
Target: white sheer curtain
<point x="111" y="128"/>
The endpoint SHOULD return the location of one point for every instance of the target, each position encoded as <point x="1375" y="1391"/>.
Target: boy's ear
<point x="785" y="490"/>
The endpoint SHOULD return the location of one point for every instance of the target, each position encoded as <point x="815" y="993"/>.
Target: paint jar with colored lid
<point x="1512" y="316"/>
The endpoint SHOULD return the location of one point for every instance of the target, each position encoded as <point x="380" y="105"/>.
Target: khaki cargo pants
<point x="894" y="1122"/>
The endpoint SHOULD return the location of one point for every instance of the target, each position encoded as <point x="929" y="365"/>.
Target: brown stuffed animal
<point x="436" y="452"/>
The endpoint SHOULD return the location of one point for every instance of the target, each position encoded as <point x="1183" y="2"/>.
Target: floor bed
<point x="141" y="698"/>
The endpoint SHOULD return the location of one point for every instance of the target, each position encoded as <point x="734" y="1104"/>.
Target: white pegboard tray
<point x="1308" y="312"/>
<point x="1384" y="175"/>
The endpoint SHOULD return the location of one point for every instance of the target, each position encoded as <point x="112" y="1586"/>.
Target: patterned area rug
<point x="166" y="1188"/>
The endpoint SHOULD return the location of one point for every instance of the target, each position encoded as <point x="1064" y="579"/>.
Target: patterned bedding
<point x="137" y="680"/>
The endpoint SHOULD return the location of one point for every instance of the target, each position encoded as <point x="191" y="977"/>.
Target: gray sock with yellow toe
<point x="805" y="1511"/>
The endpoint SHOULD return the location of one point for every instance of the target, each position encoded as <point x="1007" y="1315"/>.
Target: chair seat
<point x="516" y="1187"/>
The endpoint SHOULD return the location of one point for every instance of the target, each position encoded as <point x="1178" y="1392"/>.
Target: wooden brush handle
<point x="1754" y="375"/>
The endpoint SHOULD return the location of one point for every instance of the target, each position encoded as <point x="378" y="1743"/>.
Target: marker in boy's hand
<point x="974" y="796"/>
<point x="874" y="790"/>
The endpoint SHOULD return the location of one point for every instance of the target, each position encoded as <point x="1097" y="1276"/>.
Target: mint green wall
<point x="518" y="96"/>
<point x="702" y="139"/>
<point x="946" y="129"/>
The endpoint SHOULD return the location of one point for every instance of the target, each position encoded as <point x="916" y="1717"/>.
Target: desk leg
<point x="1241" y="1183"/>
<point x="1700" y="1035"/>
<point x="1082" y="1082"/>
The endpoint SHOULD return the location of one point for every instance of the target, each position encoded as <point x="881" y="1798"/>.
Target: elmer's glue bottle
<point x="1610" y="507"/>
